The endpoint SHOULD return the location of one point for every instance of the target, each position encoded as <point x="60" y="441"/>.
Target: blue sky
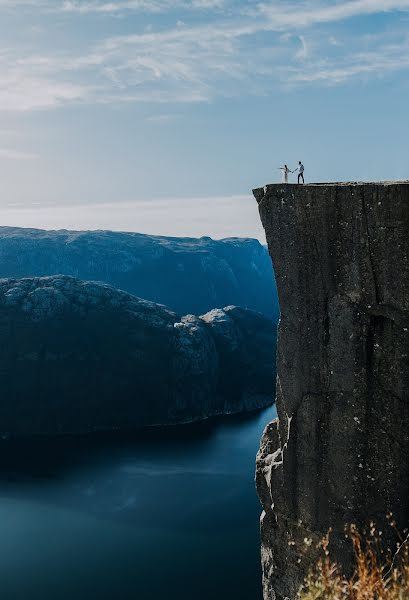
<point x="160" y="116"/>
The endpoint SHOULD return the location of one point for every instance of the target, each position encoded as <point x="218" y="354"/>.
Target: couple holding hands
<point x="300" y="170"/>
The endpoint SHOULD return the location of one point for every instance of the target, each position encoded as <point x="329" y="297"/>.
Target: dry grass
<point x="379" y="574"/>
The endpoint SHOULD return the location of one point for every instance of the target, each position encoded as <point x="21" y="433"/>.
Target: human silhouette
<point x="300" y="170"/>
<point x="285" y="171"/>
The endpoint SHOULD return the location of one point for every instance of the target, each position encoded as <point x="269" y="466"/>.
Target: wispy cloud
<point x="302" y="53"/>
<point x="161" y="118"/>
<point x="293" y="13"/>
<point x="307" y="14"/>
<point x="12" y="154"/>
<point x="30" y="82"/>
<point x="75" y="6"/>
<point x="233" y="49"/>
<point x="114" y="6"/>
<point x="379" y="62"/>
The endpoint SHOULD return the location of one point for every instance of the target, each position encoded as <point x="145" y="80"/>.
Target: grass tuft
<point x="379" y="573"/>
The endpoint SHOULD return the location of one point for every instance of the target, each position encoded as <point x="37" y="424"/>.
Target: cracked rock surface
<point x="339" y="451"/>
<point x="79" y="356"/>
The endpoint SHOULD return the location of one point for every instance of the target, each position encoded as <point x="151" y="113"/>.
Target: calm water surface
<point x="168" y="514"/>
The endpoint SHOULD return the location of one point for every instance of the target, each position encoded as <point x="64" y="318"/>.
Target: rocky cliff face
<point x="79" y="356"/>
<point x="187" y="274"/>
<point x="339" y="452"/>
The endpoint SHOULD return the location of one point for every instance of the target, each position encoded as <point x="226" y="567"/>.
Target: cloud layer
<point x="229" y="216"/>
<point x="194" y="51"/>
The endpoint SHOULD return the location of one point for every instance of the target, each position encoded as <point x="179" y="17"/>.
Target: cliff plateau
<point x="339" y="451"/>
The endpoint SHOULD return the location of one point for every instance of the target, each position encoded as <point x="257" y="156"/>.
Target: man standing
<point x="300" y="170"/>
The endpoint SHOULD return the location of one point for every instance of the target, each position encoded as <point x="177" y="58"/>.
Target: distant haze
<point x="217" y="217"/>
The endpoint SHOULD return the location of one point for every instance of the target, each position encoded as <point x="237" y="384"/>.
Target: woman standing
<point x="285" y="171"/>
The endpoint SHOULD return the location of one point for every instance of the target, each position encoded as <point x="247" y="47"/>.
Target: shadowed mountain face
<point x="189" y="275"/>
<point x="339" y="452"/>
<point x="78" y="356"/>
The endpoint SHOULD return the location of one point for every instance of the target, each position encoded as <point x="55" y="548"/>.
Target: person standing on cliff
<point x="300" y="170"/>
<point x="285" y="171"/>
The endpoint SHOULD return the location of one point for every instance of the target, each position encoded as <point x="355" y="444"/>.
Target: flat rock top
<point x="261" y="191"/>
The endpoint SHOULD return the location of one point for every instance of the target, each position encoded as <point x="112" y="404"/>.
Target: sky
<point x="161" y="116"/>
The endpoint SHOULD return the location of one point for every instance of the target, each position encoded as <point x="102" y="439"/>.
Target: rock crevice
<point x="341" y="260"/>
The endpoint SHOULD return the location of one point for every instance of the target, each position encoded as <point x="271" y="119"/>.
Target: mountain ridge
<point x="187" y="274"/>
<point x="82" y="356"/>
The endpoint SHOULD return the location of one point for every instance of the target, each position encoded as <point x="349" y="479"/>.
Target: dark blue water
<point x="167" y="514"/>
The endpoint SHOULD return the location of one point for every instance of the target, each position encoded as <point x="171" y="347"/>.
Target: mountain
<point x="189" y="275"/>
<point x="79" y="356"/>
<point x="338" y="454"/>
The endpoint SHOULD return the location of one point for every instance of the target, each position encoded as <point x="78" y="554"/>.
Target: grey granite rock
<point x="243" y="342"/>
<point x="79" y="356"/>
<point x="189" y="275"/>
<point x="339" y="452"/>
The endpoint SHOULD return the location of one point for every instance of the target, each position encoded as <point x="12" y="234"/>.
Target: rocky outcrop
<point x="187" y="274"/>
<point x="339" y="452"/>
<point x="79" y="356"/>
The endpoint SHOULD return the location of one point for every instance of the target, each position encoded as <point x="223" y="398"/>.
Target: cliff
<point x="79" y="356"/>
<point x="187" y="274"/>
<point x="339" y="452"/>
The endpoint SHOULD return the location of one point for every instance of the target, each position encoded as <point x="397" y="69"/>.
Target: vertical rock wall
<point x="339" y="452"/>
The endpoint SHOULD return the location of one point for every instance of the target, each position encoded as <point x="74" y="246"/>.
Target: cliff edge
<point x="339" y="451"/>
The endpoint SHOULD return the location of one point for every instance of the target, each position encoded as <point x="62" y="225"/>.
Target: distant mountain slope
<point x="189" y="275"/>
<point x="79" y="356"/>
